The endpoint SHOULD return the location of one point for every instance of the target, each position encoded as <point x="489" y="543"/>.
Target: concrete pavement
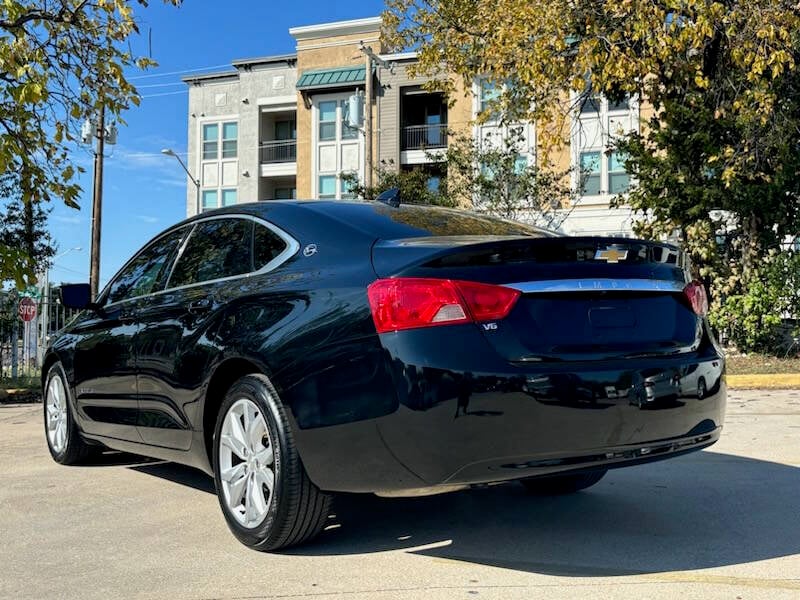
<point x="723" y="523"/>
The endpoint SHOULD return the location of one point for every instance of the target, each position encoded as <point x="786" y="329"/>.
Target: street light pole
<point x="196" y="182"/>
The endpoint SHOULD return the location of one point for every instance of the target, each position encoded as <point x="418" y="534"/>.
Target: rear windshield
<point x="417" y="221"/>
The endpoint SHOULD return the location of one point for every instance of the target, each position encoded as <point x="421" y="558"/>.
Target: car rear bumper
<point x="456" y="415"/>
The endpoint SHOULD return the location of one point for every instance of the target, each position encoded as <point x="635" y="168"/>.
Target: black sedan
<point x="297" y="349"/>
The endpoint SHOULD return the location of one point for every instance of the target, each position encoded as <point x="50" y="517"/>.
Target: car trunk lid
<point x="584" y="298"/>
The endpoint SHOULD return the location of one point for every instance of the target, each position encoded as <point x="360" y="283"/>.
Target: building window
<point x="618" y="179"/>
<point x="327" y="121"/>
<point x="348" y="133"/>
<point x="230" y="133"/>
<point x="228" y="197"/>
<point x="327" y="186"/>
<point x="210" y="199"/>
<point x="287" y="193"/>
<point x="219" y="167"/>
<point x="520" y="164"/>
<point x="590" y="173"/>
<point x="591" y="105"/>
<point x="623" y="104"/>
<point x="347" y="186"/>
<point x="337" y="148"/>
<point x="286" y="130"/>
<point x="490" y="92"/>
<point x="211" y="141"/>
<point x="600" y="169"/>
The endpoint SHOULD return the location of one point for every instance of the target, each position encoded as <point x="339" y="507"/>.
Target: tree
<point x="721" y="78"/>
<point x="23" y="226"/>
<point x="414" y="185"/>
<point x="495" y="175"/>
<point x="59" y="62"/>
<point x="488" y="175"/>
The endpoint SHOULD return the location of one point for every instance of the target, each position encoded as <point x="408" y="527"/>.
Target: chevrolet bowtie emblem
<point x="611" y="255"/>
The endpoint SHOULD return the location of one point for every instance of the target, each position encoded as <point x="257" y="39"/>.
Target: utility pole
<point x="370" y="59"/>
<point x="97" y="204"/>
<point x="368" y="122"/>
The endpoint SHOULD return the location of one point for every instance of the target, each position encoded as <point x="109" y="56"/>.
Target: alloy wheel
<point x="246" y="463"/>
<point x="57" y="426"/>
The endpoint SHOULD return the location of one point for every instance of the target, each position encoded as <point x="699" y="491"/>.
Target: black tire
<point x="297" y="509"/>
<point x="569" y="483"/>
<point x="75" y="450"/>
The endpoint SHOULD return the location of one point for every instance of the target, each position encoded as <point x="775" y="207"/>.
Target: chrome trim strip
<point x="292" y="248"/>
<point x="549" y="286"/>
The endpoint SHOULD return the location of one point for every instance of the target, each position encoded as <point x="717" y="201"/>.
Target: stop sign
<point x="27" y="309"/>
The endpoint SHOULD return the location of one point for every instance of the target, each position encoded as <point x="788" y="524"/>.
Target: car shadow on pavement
<point x="181" y="474"/>
<point x="174" y="472"/>
<point x="699" y="511"/>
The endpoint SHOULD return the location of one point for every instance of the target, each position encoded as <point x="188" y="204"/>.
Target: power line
<point x="57" y="267"/>
<point x="156" y="85"/>
<point x="148" y="154"/>
<point x="150" y="75"/>
<point x="164" y="94"/>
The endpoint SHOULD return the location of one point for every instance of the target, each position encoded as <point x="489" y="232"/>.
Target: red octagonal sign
<point x="27" y="309"/>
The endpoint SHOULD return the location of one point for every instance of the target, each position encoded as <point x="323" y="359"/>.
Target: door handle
<point x="127" y="317"/>
<point x="198" y="307"/>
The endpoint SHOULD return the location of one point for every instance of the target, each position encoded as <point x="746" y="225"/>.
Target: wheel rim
<point x="57" y="414"/>
<point x="246" y="463"/>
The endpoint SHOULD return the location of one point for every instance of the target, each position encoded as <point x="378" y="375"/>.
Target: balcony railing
<point x="424" y="137"/>
<point x="279" y="151"/>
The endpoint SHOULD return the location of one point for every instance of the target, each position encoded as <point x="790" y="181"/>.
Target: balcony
<point x="278" y="151"/>
<point x="424" y="137"/>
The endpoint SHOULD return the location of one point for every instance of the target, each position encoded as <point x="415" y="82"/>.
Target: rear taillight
<point x="698" y="299"/>
<point x="409" y="302"/>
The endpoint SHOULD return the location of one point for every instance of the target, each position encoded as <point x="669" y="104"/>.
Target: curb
<point x="772" y="381"/>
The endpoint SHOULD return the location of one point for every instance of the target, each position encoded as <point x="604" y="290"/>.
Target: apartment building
<point x="276" y="127"/>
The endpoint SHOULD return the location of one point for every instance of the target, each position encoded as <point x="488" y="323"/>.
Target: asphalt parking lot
<point x="723" y="523"/>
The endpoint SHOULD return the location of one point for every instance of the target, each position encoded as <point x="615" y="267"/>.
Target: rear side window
<point x="267" y="246"/>
<point x="437" y="221"/>
<point x="147" y="272"/>
<point x="216" y="249"/>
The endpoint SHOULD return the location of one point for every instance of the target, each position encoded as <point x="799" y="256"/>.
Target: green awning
<point x="330" y="78"/>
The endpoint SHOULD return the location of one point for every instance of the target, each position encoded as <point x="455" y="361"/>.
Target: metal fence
<point x="22" y="345"/>
<point x="278" y="151"/>
<point x="422" y="137"/>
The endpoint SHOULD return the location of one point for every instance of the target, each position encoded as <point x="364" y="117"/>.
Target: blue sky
<point x="145" y="192"/>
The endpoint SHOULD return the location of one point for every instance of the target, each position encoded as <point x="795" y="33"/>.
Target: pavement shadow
<point x="176" y="473"/>
<point x="694" y="512"/>
<point x="698" y="511"/>
<point x="170" y="471"/>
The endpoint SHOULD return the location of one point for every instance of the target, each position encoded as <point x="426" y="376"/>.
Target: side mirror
<point x="76" y="295"/>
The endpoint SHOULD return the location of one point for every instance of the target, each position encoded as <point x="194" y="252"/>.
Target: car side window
<point x="267" y="245"/>
<point x="216" y="249"/>
<point x="147" y="272"/>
